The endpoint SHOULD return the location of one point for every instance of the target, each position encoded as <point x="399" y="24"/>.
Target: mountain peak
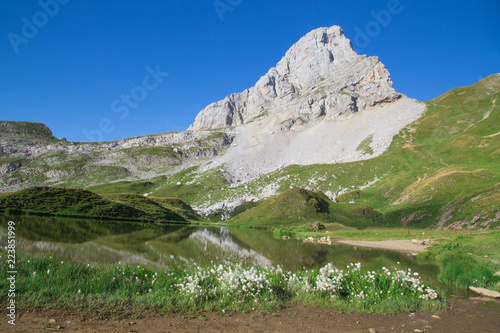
<point x="324" y="35"/>
<point x="323" y="61"/>
<point x="319" y="104"/>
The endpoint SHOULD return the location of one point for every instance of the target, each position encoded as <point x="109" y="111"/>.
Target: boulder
<point x="485" y="292"/>
<point x="317" y="226"/>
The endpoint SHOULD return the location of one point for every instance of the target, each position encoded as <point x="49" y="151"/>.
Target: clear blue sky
<point x="69" y="68"/>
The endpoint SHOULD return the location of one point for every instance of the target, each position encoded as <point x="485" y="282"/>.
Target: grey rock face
<point x="320" y="76"/>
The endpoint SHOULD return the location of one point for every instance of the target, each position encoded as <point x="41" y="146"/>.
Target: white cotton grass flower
<point x="239" y="285"/>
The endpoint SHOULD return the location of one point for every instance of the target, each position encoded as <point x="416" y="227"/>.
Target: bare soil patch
<point x="474" y="315"/>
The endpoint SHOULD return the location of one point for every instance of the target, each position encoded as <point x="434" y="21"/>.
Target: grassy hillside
<point x="296" y="207"/>
<point x="178" y="206"/>
<point x="191" y="186"/>
<point x="140" y="187"/>
<point x="150" y="207"/>
<point x="448" y="167"/>
<point x="83" y="203"/>
<point x="31" y="156"/>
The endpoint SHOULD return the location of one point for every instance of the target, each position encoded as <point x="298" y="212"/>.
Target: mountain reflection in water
<point x="226" y="244"/>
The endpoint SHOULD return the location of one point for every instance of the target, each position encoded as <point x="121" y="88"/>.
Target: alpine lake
<point x="169" y="245"/>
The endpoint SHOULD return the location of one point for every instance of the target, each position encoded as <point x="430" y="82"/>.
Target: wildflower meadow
<point x="47" y="282"/>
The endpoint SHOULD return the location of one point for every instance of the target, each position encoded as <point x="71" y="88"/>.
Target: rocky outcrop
<point x="23" y="129"/>
<point x="319" y="77"/>
<point x="10" y="167"/>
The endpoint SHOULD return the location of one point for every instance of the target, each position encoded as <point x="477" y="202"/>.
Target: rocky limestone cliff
<point x="322" y="103"/>
<point x="319" y="77"/>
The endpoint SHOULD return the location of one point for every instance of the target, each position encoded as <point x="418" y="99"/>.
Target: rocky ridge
<point x="27" y="160"/>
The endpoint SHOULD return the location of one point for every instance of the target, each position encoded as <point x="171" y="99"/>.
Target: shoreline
<point x="402" y="245"/>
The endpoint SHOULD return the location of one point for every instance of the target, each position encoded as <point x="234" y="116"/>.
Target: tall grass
<point x="462" y="270"/>
<point x="467" y="260"/>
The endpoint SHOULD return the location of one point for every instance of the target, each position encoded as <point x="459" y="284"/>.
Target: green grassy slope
<point x="178" y="206"/>
<point x="83" y="203"/>
<point x="148" y="206"/>
<point x="192" y="187"/>
<point x="449" y="167"/>
<point x="296" y="207"/>
<point x="140" y="187"/>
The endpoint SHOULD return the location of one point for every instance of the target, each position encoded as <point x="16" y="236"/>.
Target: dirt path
<point x="464" y="316"/>
<point x="396" y="245"/>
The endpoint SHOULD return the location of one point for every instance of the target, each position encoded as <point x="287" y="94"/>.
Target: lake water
<point x="180" y="245"/>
